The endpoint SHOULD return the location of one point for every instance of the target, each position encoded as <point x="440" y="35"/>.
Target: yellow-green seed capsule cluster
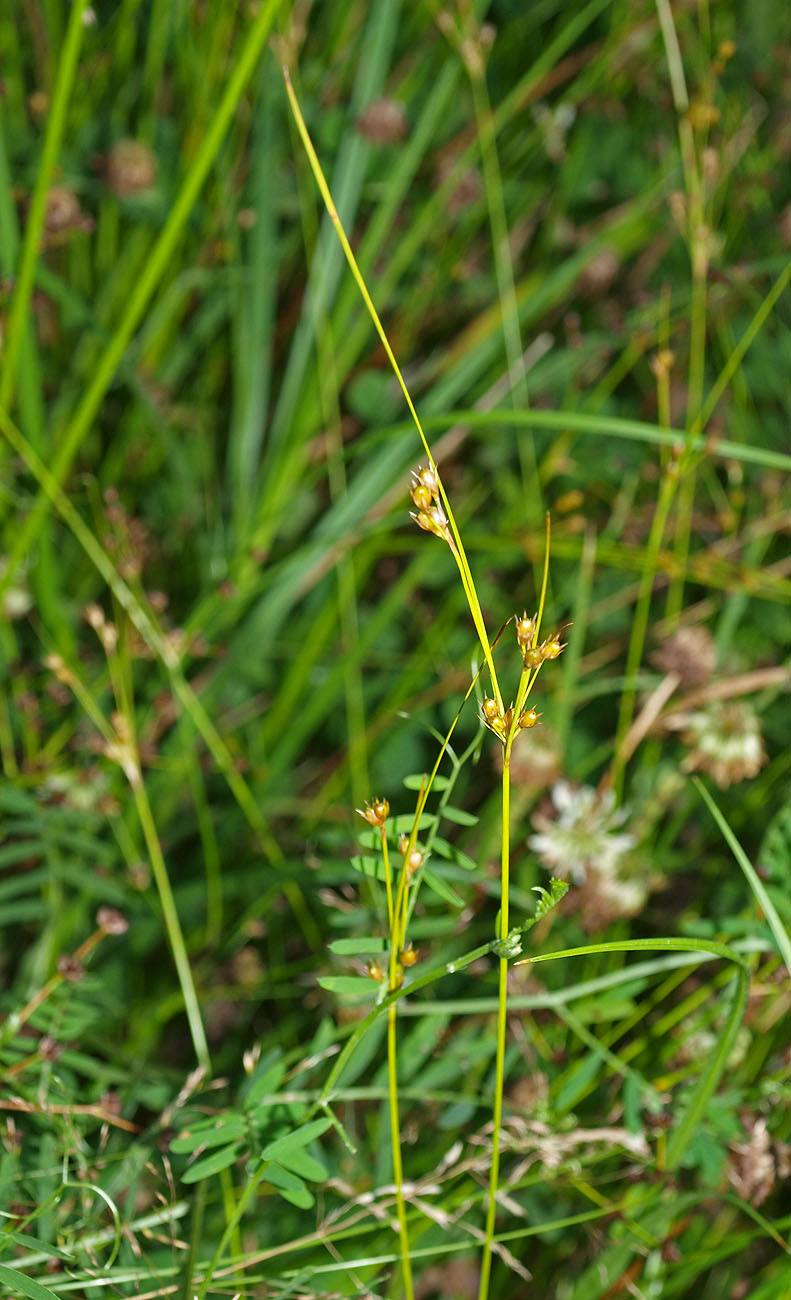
<point x="375" y="812"/>
<point x="500" y="720"/>
<point x="428" y="513"/>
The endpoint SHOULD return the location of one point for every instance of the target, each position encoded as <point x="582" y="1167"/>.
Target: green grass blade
<point x="762" y="898"/>
<point x="56" y="122"/>
<point x="80" y="423"/>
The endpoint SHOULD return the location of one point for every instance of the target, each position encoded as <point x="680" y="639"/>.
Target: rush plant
<point x="434" y="514"/>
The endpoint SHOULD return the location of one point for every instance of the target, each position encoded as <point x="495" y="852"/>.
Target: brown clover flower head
<point x="690" y="653"/>
<point x="751" y="1168"/>
<point x="131" y="168"/>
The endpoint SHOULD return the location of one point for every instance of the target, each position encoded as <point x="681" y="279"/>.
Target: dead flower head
<point x="131" y="168"/>
<point x="384" y="121"/>
<point x="752" y="1169"/>
<point x="690" y="653"/>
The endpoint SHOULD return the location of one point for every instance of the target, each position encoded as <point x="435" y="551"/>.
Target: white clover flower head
<point x="584" y="835"/>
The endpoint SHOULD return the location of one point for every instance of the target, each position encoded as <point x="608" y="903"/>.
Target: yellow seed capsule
<point x="525" y="631"/>
<point x="375" y="812"/>
<point x="551" y="648"/>
<point x="413" y="863"/>
<point x="528" y="719"/>
<point x="421" y="496"/>
<point x="532" y="657"/>
<point x="490" y="710"/>
<point x="375" y="971"/>
<point x="408" y="957"/>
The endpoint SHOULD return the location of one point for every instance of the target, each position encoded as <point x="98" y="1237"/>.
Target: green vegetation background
<point x="221" y="634"/>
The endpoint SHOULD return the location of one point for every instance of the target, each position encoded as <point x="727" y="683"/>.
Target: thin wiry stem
<point x="461" y="557"/>
<point x="526" y="683"/>
<point x="502" y="1021"/>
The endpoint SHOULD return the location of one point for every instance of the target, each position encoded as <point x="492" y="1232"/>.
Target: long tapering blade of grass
<point x="463" y="564"/>
<point x="762" y="898"/>
<point x="254" y="313"/>
<point x="601" y="426"/>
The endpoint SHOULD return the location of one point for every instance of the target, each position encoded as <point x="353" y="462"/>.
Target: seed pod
<point x="528" y="719"/>
<point x="421" y="496"/>
<point x="551" y="648"/>
<point x="532" y="657"/>
<point x="525" y="631"/>
<point x="375" y="812"/>
<point x="428" y="477"/>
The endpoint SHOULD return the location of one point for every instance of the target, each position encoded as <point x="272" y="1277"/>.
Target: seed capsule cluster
<point x="428" y="513"/>
<point x="500" y="721"/>
<point x="375" y="812"/>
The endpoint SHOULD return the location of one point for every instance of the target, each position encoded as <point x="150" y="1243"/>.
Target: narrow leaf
<point x="292" y="1188"/>
<point x="763" y="900"/>
<point x="212" y="1164"/>
<point x="349" y="984"/>
<point x="299" y="1137"/>
<point x="357" y="947"/>
<point x="23" y="1285"/>
<point x="215" y="1133"/>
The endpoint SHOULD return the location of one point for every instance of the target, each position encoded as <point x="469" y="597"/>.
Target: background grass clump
<point x="221" y="635"/>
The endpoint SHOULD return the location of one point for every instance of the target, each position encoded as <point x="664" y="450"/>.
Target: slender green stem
<point x="172" y="924"/>
<point x="395" y="1136"/>
<point x="459" y="554"/>
<point x="397" y="915"/>
<point x="56" y="121"/>
<point x="388" y="879"/>
<point x="502" y="1020"/>
<point x="153" y="638"/>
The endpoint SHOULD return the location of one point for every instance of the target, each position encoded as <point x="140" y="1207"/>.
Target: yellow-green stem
<point x="502" y="1011"/>
<point x="332" y="211"/>
<point x="172" y="924"/>
<point x="395" y="1138"/>
<point x="398" y="913"/>
<point x="388" y="880"/>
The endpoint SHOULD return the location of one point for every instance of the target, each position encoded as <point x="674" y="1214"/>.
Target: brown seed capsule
<point x="375" y="812"/>
<point x="433" y="520"/>
<point x="532" y="657"/>
<point x="552" y="647"/>
<point x="525" y="631"/>
<point x="111" y="921"/>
